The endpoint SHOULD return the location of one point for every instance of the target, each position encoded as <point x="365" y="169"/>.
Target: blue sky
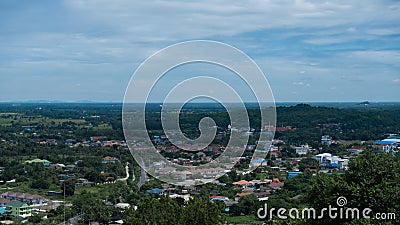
<point x="309" y="50"/>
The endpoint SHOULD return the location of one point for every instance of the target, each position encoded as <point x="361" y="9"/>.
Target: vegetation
<point x="371" y="180"/>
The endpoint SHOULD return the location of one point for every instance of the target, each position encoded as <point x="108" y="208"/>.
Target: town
<point x="77" y="168"/>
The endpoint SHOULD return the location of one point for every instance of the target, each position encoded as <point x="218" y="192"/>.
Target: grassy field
<point x="7" y="118"/>
<point x="251" y="219"/>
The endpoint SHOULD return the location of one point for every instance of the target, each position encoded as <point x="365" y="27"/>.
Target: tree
<point x="370" y="182"/>
<point x="247" y="205"/>
<point x="165" y="210"/>
<point x="36" y="219"/>
<point x="68" y="187"/>
<point x="308" y="163"/>
<point x="203" y="212"/>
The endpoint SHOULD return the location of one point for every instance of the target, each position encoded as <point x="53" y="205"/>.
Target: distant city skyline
<point x="310" y="51"/>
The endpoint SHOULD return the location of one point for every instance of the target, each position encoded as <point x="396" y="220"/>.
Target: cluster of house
<point x="19" y="205"/>
<point x="279" y="129"/>
<point x="95" y="141"/>
<point x="45" y="142"/>
<point x="261" y="189"/>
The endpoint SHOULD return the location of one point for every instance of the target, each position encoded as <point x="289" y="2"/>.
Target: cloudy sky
<point x="78" y="50"/>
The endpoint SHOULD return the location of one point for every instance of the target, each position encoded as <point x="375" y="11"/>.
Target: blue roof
<point x="2" y="210"/>
<point x="384" y="142"/>
<point x="258" y="161"/>
<point x="155" y="191"/>
<point x="293" y="174"/>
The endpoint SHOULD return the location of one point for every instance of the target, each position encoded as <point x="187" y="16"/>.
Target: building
<point x="109" y="159"/>
<point x="328" y="160"/>
<point x="45" y="163"/>
<point x="18" y="210"/>
<point x="326" y="140"/>
<point x="3" y="202"/>
<point x="32" y="200"/>
<point x="393" y="139"/>
<point x="302" y="150"/>
<point x="389" y="144"/>
<point x="276" y="184"/>
<point x="155" y="191"/>
<point x="242" y="184"/>
<point x="293" y="174"/>
<point x="343" y="164"/>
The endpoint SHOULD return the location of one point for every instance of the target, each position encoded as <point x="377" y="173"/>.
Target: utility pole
<point x="64" y="201"/>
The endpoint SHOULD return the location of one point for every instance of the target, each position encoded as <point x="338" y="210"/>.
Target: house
<point x="355" y="150"/>
<point x="122" y="205"/>
<point x="57" y="166"/>
<point x="3" y="202"/>
<point x="276" y="184"/>
<point x="97" y="138"/>
<point x="83" y="182"/>
<point x="155" y="191"/>
<point x="45" y="163"/>
<point x="70" y="142"/>
<point x="260" y="183"/>
<point x="258" y="162"/>
<point x="262" y="196"/>
<point x="109" y="159"/>
<point x="326" y="140"/>
<point x="182" y="175"/>
<point x="278" y="129"/>
<point x="302" y="150"/>
<point x="18" y="210"/>
<point x="293" y="174"/>
<point x="32" y="200"/>
<point x="242" y="184"/>
<point x="343" y="164"/>
<point x="70" y="167"/>
<point x="219" y="198"/>
<point x="54" y="193"/>
<point x="238" y="196"/>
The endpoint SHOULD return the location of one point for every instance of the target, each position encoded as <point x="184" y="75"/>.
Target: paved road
<point x="143" y="178"/>
<point x="73" y="220"/>
<point x="127" y="173"/>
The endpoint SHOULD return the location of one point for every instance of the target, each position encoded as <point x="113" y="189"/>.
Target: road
<point x="73" y="220"/>
<point x="143" y="177"/>
<point x="127" y="173"/>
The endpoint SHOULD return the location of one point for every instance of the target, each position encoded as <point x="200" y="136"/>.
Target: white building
<point x="343" y="164"/>
<point x="302" y="150"/>
<point x="326" y="140"/>
<point x="321" y="158"/>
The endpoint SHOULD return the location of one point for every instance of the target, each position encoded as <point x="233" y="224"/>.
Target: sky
<point x="309" y="51"/>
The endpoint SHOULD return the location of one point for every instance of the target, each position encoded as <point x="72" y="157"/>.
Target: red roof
<point x="242" y="182"/>
<point x="4" y="201"/>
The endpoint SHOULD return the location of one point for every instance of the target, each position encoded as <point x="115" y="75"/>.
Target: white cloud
<point x="383" y="56"/>
<point x="172" y="20"/>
